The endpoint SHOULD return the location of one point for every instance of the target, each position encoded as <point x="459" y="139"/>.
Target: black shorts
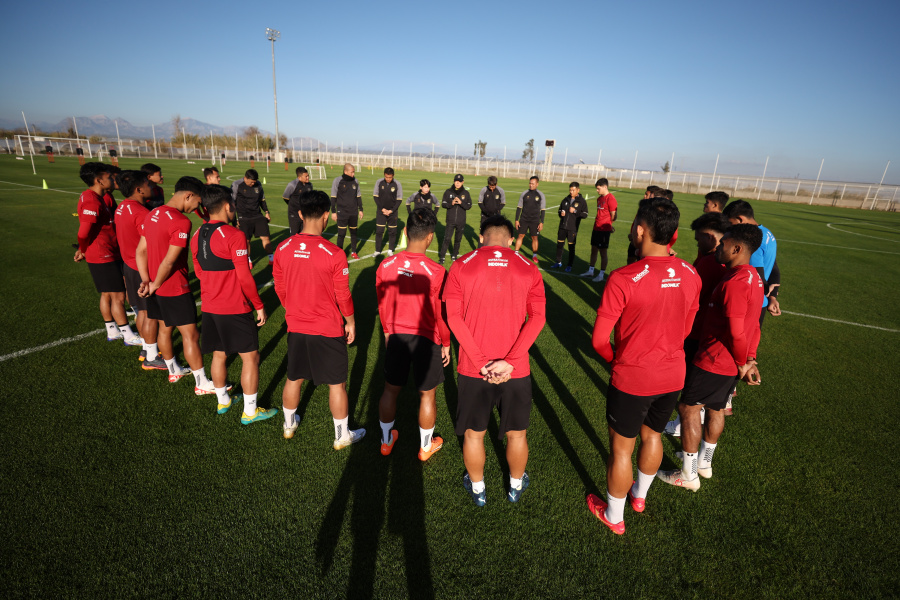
<point x="107" y="276"/>
<point x="690" y="350"/>
<point x="528" y="226"/>
<point x="296" y="224"/>
<point x="382" y="219"/>
<point x="316" y="358"/>
<point x="625" y="413"/>
<point x="566" y="235"/>
<point x="348" y="219"/>
<point x="762" y="315"/>
<point x="132" y="283"/>
<point x="231" y="334"/>
<point x="405" y="350"/>
<point x="251" y="226"/>
<point x="173" y="311"/>
<point x="477" y="399"/>
<point x="709" y="389"/>
<point x="632" y="251"/>
<point x="600" y="239"/>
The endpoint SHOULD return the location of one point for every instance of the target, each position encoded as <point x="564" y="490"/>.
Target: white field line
<point x="873" y="237"/>
<point x="796" y="314"/>
<point x="38" y="187"/>
<point x="779" y="240"/>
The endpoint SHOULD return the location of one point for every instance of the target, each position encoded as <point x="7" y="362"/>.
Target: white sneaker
<point x="206" y="389"/>
<point x="290" y="429"/>
<point x="390" y="252"/>
<point x="354" y="436"/>
<point x="133" y="341"/>
<point x="587" y="273"/>
<point x="676" y="478"/>
<point x="704" y="472"/>
<point x="673" y="428"/>
<point x="180" y="371"/>
<point x="599" y="277"/>
<point x="115" y="338"/>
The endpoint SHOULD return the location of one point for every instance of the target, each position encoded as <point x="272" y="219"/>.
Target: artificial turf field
<point x="114" y="482"/>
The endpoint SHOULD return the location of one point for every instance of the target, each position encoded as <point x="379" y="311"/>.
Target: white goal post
<point x="315" y="171"/>
<point x="28" y="144"/>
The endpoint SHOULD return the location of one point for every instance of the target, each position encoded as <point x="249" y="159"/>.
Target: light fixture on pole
<point x="272" y="35"/>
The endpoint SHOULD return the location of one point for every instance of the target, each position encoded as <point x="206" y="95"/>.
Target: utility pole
<point x="272" y="35"/>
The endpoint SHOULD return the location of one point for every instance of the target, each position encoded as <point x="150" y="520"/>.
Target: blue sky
<point x="795" y="81"/>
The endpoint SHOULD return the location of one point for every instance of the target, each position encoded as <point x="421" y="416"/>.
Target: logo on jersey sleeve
<point x="240" y="253"/>
<point x="182" y="236"/>
<point x="642" y="274"/>
<point x="89" y="212"/>
<point x="427" y="270"/>
<point x="322" y="246"/>
<point x="346" y="271"/>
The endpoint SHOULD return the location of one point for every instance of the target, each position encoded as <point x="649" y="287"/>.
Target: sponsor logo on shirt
<point x="671" y="272"/>
<point x="642" y="274"/>
<point x="497" y="260"/>
<point x="671" y="281"/>
<point x="386" y="264"/>
<point x="427" y="270"/>
<point x="240" y="253"/>
<point x="302" y="246"/>
<point x="471" y="256"/>
<point x="182" y="236"/>
<point x="322" y="246"/>
<point x="89" y="212"/>
<point x="346" y="271"/>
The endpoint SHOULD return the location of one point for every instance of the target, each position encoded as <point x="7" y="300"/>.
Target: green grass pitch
<point x="114" y="482"/>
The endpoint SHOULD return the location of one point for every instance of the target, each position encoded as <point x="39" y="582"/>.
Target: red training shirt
<point x="738" y="295"/>
<point x="312" y="280"/>
<point x="711" y="272"/>
<point x="129" y="225"/>
<point x="408" y="287"/>
<point x="606" y="206"/>
<point x="653" y="302"/>
<point x="97" y="228"/>
<point x="488" y="294"/>
<point x="226" y="292"/>
<point x="163" y="227"/>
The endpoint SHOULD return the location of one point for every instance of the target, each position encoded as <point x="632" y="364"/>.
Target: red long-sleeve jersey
<point x="408" y="287"/>
<point x="228" y="292"/>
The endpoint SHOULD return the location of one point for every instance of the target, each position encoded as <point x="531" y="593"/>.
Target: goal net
<point x="316" y="171"/>
<point x="28" y="144"/>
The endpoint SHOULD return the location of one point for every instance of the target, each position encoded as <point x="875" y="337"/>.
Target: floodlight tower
<point x="548" y="157"/>
<point x="272" y="35"/>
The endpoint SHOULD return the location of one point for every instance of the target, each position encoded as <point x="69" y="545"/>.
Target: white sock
<point x="171" y="364"/>
<point x="615" y="509"/>
<point x="425" y="436"/>
<point x="689" y="466"/>
<point x="478" y="486"/>
<point x="111" y="330"/>
<point x="706" y="454"/>
<point x="271" y="257"/>
<point x="514" y="483"/>
<point x="126" y="330"/>
<point x="341" y="428"/>
<point x="152" y="351"/>
<point x="642" y="485"/>
<point x="386" y="432"/>
<point x="250" y="404"/>
<point x="591" y="270"/>
<point x="289" y="414"/>
<point x="200" y="378"/>
<point x="222" y="395"/>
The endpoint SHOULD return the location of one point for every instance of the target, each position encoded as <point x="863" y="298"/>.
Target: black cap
<point x="458" y="177"/>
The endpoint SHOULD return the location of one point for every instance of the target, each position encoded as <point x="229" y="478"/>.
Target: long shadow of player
<point x="368" y="475"/>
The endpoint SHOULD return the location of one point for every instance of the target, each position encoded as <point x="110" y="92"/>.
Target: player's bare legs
<point x="516" y="453"/>
<point x="249" y="370"/>
<point x="519" y="242"/>
<point x="594" y="250"/>
<point x="691" y="427"/>
<point x="604" y="258"/>
<point x="338" y="402"/>
<point x="190" y="340"/>
<point x="290" y="395"/>
<point x="164" y="340"/>
<point x="473" y="454"/>
<point x="117" y="307"/>
<point x="266" y="244"/>
<point x="715" y="423"/>
<point x="150" y="330"/>
<point x="387" y="405"/>
<point x="427" y="409"/>
<point x="619" y="474"/>
<point x="650" y="453"/>
<point x="534" y="244"/>
<point x="105" y="306"/>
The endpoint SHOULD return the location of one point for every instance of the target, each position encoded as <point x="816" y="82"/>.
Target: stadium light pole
<point x="272" y="35"/>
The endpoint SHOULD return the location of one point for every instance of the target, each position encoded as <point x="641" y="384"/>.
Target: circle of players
<point x="684" y="333"/>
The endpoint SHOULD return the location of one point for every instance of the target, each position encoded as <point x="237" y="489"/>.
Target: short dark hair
<point x="114" y="169"/>
<point x="251" y="174"/>
<point x="575" y="184"/>
<point x="669" y="194"/>
<point x="424" y="182"/>
<point x="492" y="180"/>
<point x="129" y="181"/>
<point x="660" y="216"/>
<point x="535" y="177"/>
<point x="214" y="196"/>
<point x="747" y="235"/>
<point x="602" y="181"/>
<point x="300" y="171"/>
<point x="209" y="171"/>
<point x="653" y="189"/>
<point x="718" y="198"/>
<point x="495" y="222"/>
<point x="712" y="220"/>
<point x="737" y="209"/>
<point x="388" y="171"/>
<point x="420" y="223"/>
<point x="91" y="170"/>
<point x="150" y="168"/>
<point x="189" y="184"/>
<point x="314" y="204"/>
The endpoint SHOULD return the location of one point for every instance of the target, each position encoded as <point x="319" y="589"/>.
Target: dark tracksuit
<point x="388" y="196"/>
<point x="292" y="194"/>
<point x="456" y="218"/>
<point x="530" y="211"/>
<point x="568" y="225"/>
<point x="346" y="201"/>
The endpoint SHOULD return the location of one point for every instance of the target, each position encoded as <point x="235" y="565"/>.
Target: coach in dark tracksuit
<point x="388" y="197"/>
<point x="291" y="196"/>
<point x="491" y="199"/>
<point x="457" y="200"/>
<point x="346" y="206"/>
<point x="249" y="198"/>
<point x="423" y="199"/>
<point x="572" y="210"/>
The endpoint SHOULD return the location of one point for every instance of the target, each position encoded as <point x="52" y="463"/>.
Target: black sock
<point x="559" y="251"/>
<point x="571" y="254"/>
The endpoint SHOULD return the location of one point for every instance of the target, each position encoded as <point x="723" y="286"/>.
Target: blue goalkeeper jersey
<point x="765" y="257"/>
